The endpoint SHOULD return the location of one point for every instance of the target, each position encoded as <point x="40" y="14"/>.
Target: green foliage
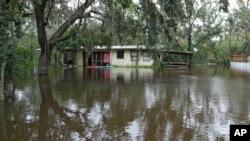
<point x="23" y="58"/>
<point x="122" y="22"/>
<point x="221" y="52"/>
<point x="29" y="40"/>
<point x="20" y="58"/>
<point x="224" y="5"/>
<point x="94" y="35"/>
<point x="200" y="58"/>
<point x="125" y="3"/>
<point x="238" y="28"/>
<point x="10" y="28"/>
<point x="10" y="19"/>
<point x="74" y="41"/>
<point x="215" y="52"/>
<point x="56" y="58"/>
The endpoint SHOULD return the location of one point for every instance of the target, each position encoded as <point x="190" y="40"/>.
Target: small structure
<point x="240" y="62"/>
<point x="177" y="59"/>
<point x="237" y="58"/>
<point x="124" y="56"/>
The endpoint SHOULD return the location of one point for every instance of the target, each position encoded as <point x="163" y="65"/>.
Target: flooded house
<point x="124" y="56"/>
<point x="121" y="56"/>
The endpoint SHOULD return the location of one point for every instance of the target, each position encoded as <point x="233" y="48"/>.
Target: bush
<point x="19" y="59"/>
<point x="23" y="58"/>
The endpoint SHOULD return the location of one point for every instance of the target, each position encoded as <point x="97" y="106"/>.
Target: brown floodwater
<point x="125" y="104"/>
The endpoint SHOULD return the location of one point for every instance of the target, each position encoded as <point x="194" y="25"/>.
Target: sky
<point x="233" y="4"/>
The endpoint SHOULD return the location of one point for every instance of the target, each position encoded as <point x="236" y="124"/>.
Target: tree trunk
<point x="2" y="80"/>
<point x="47" y="45"/>
<point x="189" y="42"/>
<point x="44" y="62"/>
<point x="189" y="38"/>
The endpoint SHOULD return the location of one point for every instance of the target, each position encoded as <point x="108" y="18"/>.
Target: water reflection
<point x="126" y="104"/>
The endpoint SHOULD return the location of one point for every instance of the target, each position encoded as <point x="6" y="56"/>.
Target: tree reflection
<point x="166" y="106"/>
<point x="46" y="124"/>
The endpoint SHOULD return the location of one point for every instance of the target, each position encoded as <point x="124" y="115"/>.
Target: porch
<point x="97" y="58"/>
<point x="176" y="59"/>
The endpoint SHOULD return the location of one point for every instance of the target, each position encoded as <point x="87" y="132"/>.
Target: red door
<point x="106" y="57"/>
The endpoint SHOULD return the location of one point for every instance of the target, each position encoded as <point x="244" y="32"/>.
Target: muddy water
<point x="125" y="104"/>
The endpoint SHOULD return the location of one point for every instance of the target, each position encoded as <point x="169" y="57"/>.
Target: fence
<point x="237" y="58"/>
<point x="243" y="66"/>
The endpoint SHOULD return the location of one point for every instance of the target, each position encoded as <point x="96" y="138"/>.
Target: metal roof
<point x="178" y="52"/>
<point x="121" y="47"/>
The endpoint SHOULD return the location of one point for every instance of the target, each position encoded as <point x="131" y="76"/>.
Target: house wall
<point x="79" y="58"/>
<point x="126" y="61"/>
<point x="62" y="58"/>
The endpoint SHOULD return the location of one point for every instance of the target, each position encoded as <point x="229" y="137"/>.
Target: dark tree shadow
<point x="48" y="102"/>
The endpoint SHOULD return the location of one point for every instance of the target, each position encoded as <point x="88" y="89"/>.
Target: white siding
<point x="126" y="61"/>
<point x="79" y="58"/>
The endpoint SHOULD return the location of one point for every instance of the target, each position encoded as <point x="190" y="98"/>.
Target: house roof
<point x="178" y="52"/>
<point x="133" y="47"/>
<point x="128" y="47"/>
<point x="121" y="47"/>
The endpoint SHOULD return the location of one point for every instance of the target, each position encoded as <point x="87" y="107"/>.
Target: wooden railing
<point x="176" y="64"/>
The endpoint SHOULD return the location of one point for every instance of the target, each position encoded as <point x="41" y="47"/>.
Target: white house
<point x="134" y="55"/>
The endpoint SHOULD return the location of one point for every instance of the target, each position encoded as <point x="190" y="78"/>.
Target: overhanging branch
<point x="79" y="13"/>
<point x="64" y="38"/>
<point x="50" y="8"/>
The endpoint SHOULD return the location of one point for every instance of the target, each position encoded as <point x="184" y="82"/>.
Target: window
<point x="69" y="57"/>
<point x="146" y="56"/>
<point x="134" y="55"/>
<point x="120" y="54"/>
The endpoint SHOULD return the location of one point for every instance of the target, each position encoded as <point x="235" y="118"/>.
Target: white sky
<point x="232" y="4"/>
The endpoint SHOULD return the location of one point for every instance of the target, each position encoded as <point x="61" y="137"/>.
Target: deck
<point x="176" y="59"/>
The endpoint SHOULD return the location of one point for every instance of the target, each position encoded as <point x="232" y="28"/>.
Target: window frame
<point x="120" y="54"/>
<point x="134" y="55"/>
<point x="146" y="56"/>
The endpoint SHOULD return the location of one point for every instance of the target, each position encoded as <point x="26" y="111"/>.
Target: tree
<point x="10" y="28"/>
<point x="155" y="21"/>
<point x="43" y="12"/>
<point x="169" y="19"/>
<point x="239" y="27"/>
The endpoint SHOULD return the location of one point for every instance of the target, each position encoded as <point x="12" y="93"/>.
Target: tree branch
<point x="41" y="4"/>
<point x="48" y="14"/>
<point x="27" y="14"/>
<point x="42" y="36"/>
<point x="76" y="15"/>
<point x="63" y="38"/>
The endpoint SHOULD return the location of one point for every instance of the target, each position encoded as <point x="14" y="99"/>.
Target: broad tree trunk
<point x="44" y="62"/>
<point x="2" y="80"/>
